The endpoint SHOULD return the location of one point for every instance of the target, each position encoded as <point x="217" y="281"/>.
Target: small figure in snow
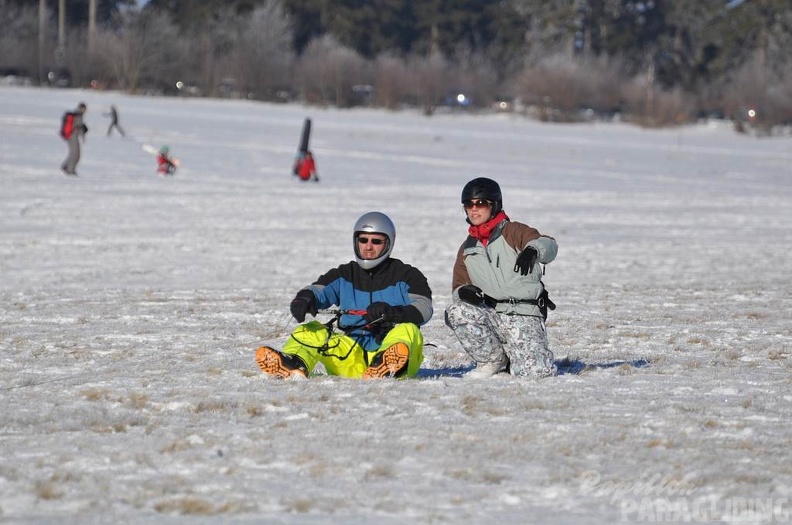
<point x="113" y="114"/>
<point x="72" y="129"/>
<point x="165" y="164"/>
<point x="499" y="301"/>
<point x="383" y="301"/>
<point x="305" y="167"/>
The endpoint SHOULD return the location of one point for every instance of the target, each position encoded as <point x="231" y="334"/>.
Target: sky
<point x="133" y="305"/>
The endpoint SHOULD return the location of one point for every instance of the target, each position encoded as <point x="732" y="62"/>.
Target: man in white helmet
<point x="382" y="301"/>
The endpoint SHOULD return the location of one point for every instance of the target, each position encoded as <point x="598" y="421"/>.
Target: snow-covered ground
<point x="132" y="306"/>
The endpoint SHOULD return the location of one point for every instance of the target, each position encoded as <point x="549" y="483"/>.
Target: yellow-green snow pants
<point x="342" y="356"/>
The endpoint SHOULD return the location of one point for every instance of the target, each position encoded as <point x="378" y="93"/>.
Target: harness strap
<point x="543" y="302"/>
<point x="324" y="349"/>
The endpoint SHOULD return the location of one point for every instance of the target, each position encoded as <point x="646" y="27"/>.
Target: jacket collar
<point x="484" y="232"/>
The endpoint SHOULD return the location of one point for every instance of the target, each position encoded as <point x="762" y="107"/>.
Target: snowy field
<point x="132" y="306"/>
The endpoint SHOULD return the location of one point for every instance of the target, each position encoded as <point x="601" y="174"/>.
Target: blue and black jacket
<point x="350" y="287"/>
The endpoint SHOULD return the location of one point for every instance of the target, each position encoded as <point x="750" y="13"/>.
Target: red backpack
<point x="67" y="125"/>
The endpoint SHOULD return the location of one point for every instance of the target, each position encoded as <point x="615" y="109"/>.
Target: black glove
<point x="526" y="260"/>
<point x="384" y="312"/>
<point x="471" y="294"/>
<point x="304" y="302"/>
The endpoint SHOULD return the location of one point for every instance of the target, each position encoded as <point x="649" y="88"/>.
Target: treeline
<point x="656" y="62"/>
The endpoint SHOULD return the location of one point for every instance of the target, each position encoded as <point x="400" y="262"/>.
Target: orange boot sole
<point x="274" y="363"/>
<point x="392" y="361"/>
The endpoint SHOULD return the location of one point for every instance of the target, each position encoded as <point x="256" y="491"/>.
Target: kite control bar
<point x="337" y="311"/>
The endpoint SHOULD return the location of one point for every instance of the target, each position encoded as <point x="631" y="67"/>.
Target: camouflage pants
<point x="490" y="337"/>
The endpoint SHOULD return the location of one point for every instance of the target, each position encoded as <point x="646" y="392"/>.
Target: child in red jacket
<point x="165" y="164"/>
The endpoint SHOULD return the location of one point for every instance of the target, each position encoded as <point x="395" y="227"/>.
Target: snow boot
<point x="485" y="370"/>
<point x="390" y="363"/>
<point x="283" y="366"/>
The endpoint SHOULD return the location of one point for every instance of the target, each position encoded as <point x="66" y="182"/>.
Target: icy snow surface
<point x="132" y="306"/>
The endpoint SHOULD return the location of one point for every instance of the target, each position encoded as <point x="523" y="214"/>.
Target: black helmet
<point x="484" y="188"/>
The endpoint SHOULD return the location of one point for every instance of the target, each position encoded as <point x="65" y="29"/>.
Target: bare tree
<point x="327" y="71"/>
<point x="560" y="86"/>
<point x="392" y="82"/>
<point x="759" y="106"/>
<point x="19" y="38"/>
<point x="779" y="96"/>
<point x="668" y="106"/>
<point x="550" y="30"/>
<point x="263" y="57"/>
<point x="475" y="76"/>
<point x="430" y="80"/>
<point x="143" y="51"/>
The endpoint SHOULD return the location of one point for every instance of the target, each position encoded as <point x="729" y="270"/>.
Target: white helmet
<point x="374" y="222"/>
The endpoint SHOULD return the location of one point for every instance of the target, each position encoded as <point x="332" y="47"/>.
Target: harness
<point x="543" y="302"/>
<point x="324" y="349"/>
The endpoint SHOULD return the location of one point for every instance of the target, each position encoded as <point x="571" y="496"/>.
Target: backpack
<point x="67" y="125"/>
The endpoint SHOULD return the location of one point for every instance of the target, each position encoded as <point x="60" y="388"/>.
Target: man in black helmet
<point x="383" y="302"/>
<point x="500" y="303"/>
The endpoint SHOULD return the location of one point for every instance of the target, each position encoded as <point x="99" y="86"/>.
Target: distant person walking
<point x="72" y="129"/>
<point x="113" y="114"/>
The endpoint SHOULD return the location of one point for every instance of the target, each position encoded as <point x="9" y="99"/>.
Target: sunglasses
<point x="366" y="240"/>
<point x="477" y="203"/>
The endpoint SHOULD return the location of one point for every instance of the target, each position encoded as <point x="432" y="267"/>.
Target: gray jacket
<point x="491" y="268"/>
<point x="79" y="126"/>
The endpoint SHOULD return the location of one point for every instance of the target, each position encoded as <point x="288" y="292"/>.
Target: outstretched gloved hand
<point x="526" y="260"/>
<point x="304" y="302"/>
